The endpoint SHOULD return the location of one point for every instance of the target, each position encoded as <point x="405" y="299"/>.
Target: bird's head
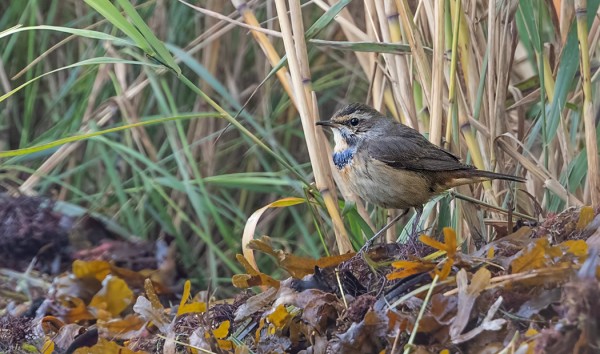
<point x="353" y="123"/>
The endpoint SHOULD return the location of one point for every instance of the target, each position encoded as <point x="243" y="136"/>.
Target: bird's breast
<point x="343" y="158"/>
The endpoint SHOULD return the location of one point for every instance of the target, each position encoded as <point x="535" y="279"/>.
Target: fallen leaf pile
<point x="533" y="291"/>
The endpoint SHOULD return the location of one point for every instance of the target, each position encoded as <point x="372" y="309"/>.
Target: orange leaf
<point x="432" y="243"/>
<point x="79" y="312"/>
<point x="408" y="268"/>
<point x="450" y="241"/>
<point x="449" y="245"/>
<point x="446" y="269"/>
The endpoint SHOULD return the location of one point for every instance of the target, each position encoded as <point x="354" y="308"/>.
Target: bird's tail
<point x="462" y="177"/>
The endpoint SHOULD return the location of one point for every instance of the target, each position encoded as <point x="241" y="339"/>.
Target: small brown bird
<point x="391" y="165"/>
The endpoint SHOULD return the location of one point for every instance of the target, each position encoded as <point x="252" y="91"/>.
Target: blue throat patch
<point x="342" y="158"/>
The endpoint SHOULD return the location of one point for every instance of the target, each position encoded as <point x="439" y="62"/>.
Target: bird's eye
<point x="354" y="122"/>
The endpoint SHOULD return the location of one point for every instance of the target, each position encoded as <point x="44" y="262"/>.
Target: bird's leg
<point x="369" y="243"/>
<point x="418" y="212"/>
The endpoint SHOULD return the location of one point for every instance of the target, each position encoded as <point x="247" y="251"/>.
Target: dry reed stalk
<point x="266" y="46"/>
<point x="293" y="39"/>
<point x="438" y="84"/>
<point x="396" y="65"/>
<point x="593" y="175"/>
<point x="416" y="45"/>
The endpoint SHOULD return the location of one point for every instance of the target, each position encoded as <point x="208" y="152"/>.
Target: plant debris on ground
<point x="532" y="291"/>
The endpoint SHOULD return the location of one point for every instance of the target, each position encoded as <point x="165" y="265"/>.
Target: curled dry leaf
<point x="256" y="303"/>
<point x="144" y="308"/>
<point x="252" y="222"/>
<point x="487" y="325"/>
<point x="114" y="297"/>
<point x="467" y="294"/>
<point x="367" y="336"/>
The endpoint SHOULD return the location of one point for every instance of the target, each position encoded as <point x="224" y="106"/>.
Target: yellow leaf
<point x="491" y="252"/>
<point x="194" y="307"/>
<point x="280" y="317"/>
<point x="577" y="248"/>
<point x="531" y="332"/>
<point x="91" y="269"/>
<point x="223" y="330"/>
<point x="114" y="297"/>
<point x="48" y="347"/>
<point x="531" y="259"/>
<point x="104" y="346"/>
<point x="586" y="215"/>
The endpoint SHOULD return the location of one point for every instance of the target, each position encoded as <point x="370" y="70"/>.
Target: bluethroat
<point x="393" y="166"/>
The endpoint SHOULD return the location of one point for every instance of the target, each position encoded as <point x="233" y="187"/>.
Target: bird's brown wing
<point x="407" y="149"/>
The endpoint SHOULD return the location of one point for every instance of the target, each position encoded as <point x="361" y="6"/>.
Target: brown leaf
<point x="256" y="303"/>
<point x="297" y="267"/>
<point x="253" y="278"/>
<point x="467" y="294"/>
<point x="126" y="328"/>
<point x="363" y="337"/>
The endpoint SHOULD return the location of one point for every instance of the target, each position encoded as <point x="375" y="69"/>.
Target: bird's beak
<point x="326" y="123"/>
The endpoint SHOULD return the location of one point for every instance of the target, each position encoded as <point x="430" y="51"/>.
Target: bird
<point x="391" y="165"/>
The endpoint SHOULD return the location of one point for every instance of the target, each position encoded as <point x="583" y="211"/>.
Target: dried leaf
<point x="280" y="317"/>
<point x="67" y="335"/>
<point x="467" y="294"/>
<point x="253" y="278"/>
<point x="193" y="307"/>
<point x="256" y="303"/>
<point x="586" y="215"/>
<point x="445" y="271"/>
<point x="449" y="245"/>
<point x="363" y="337"/>
<point x="48" y="347"/>
<point x="487" y="325"/>
<point x="91" y="269"/>
<point x="126" y="328"/>
<point x="78" y="312"/>
<point x="114" y="297"/>
<point x="250" y="227"/>
<point x="144" y="308"/>
<point x="578" y="248"/>
<point x="408" y="268"/>
<point x="298" y="267"/>
<point x="104" y="346"/>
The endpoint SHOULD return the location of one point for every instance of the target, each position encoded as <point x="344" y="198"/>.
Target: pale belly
<point x="382" y="185"/>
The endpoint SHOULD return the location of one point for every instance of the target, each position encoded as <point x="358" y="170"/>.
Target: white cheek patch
<point x="340" y="142"/>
